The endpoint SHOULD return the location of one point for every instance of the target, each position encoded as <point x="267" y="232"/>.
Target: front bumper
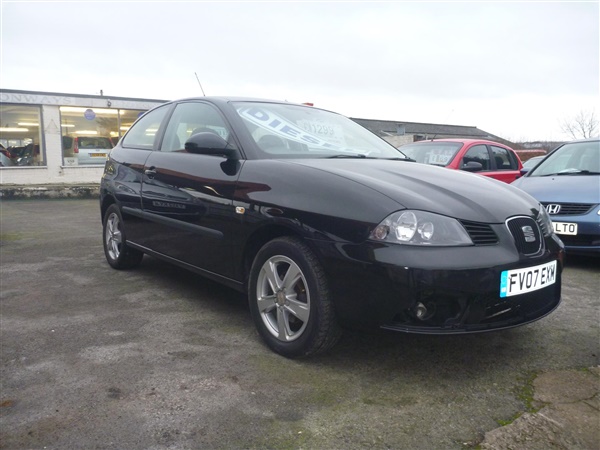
<point x="455" y="310"/>
<point x="388" y="286"/>
<point x="587" y="239"/>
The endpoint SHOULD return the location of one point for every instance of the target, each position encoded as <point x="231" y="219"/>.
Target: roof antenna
<point x="199" y="84"/>
<point x="447" y="117"/>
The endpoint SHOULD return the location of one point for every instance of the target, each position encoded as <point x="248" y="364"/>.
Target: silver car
<point x="87" y="149"/>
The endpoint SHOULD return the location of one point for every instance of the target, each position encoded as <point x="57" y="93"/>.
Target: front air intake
<point x="480" y="233"/>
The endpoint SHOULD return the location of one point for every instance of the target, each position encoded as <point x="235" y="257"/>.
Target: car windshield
<point x="532" y="162"/>
<point x="434" y="153"/>
<point x="295" y="131"/>
<point x="576" y="158"/>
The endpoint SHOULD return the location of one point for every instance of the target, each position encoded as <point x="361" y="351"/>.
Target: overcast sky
<point x="514" y="69"/>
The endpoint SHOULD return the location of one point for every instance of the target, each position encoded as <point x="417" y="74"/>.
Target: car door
<point x="187" y="197"/>
<point x="477" y="153"/>
<point x="126" y="167"/>
<point x="505" y="166"/>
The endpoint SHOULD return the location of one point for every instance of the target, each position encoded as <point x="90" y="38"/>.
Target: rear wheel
<point x="118" y="254"/>
<point x="290" y="301"/>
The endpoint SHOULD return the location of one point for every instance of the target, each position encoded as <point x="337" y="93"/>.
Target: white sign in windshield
<point x="439" y="156"/>
<point x="283" y="127"/>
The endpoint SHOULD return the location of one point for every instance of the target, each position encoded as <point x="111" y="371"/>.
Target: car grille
<point x="527" y="235"/>
<point x="569" y="209"/>
<point x="480" y="233"/>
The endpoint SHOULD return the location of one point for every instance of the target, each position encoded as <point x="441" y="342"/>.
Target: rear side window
<point x="143" y="133"/>
<point x="503" y="158"/>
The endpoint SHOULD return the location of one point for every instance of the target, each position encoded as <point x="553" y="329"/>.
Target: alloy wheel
<point x="283" y="298"/>
<point x="113" y="236"/>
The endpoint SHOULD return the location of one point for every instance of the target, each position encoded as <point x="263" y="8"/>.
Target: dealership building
<point x="42" y="135"/>
<point x="60" y="141"/>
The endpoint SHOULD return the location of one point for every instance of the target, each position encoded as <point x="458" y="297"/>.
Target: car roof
<point x="594" y="139"/>
<point x="227" y="99"/>
<point x="230" y="99"/>
<point x="465" y="141"/>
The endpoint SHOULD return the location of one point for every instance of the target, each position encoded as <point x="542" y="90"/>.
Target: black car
<point x="324" y="225"/>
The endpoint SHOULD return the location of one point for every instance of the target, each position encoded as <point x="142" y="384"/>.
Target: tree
<point x="581" y="126"/>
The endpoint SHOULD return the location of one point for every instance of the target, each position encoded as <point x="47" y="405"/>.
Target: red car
<point x="473" y="155"/>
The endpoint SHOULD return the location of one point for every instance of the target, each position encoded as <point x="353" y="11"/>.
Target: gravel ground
<point x="160" y="358"/>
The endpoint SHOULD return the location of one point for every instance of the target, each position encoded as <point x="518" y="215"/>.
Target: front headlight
<point x="412" y="227"/>
<point x="544" y="221"/>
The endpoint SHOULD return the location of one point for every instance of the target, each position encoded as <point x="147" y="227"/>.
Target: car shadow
<point x="377" y="350"/>
<point x="194" y="286"/>
<point x="584" y="262"/>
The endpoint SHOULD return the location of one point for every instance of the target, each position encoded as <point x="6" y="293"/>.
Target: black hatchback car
<point x="324" y="225"/>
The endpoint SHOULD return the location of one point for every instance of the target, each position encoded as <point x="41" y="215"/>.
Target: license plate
<point x="565" y="228"/>
<point x="521" y="281"/>
<point x="98" y="155"/>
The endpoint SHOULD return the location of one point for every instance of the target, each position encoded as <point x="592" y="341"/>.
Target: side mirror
<point x="207" y="143"/>
<point x="472" y="166"/>
<point x="524" y="171"/>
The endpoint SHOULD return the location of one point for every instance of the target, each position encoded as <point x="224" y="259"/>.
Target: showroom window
<point x="20" y="136"/>
<point x="88" y="134"/>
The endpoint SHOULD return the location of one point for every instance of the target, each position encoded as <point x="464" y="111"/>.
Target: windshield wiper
<point x="572" y="172"/>
<point x="356" y="155"/>
<point x="401" y="159"/>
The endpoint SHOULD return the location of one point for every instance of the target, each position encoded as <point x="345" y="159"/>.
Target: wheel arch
<point x="106" y="201"/>
<point x="263" y="235"/>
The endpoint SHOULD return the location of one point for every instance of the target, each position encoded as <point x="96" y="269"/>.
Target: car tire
<point x="118" y="254"/>
<point x="290" y="301"/>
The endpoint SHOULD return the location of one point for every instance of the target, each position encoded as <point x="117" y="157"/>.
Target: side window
<point x="191" y="118"/>
<point x="143" y="133"/>
<point x="503" y="159"/>
<point x="478" y="153"/>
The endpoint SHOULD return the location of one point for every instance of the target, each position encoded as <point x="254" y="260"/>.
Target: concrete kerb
<point x="54" y="191"/>
<point x="568" y="419"/>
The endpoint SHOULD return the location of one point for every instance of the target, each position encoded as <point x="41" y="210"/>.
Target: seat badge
<point x="240" y="210"/>
<point x="528" y="233"/>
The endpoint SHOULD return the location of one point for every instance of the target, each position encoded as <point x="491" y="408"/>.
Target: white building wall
<point x="397" y="141"/>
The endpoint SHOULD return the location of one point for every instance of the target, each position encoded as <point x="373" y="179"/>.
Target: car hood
<point x="563" y="188"/>
<point x="451" y="193"/>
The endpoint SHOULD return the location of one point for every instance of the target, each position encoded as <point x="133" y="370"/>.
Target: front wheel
<point x="118" y="254"/>
<point x="290" y="301"/>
